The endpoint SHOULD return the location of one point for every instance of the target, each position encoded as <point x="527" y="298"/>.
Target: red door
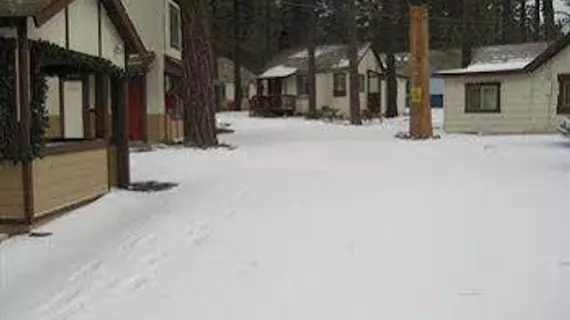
<point x="136" y="108"/>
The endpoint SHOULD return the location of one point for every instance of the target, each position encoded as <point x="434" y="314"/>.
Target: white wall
<point x="83" y="26"/>
<point x="230" y="91"/>
<point x="113" y="47"/>
<point x="52" y="31"/>
<point x="528" y="101"/>
<point x="149" y="19"/>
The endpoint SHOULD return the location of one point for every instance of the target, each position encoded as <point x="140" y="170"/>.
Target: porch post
<point x="24" y="85"/>
<point x="101" y="99"/>
<point x="122" y="134"/>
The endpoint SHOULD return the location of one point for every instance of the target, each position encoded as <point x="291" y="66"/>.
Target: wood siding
<point x="67" y="179"/>
<point x="11" y="193"/>
<point x="528" y="101"/>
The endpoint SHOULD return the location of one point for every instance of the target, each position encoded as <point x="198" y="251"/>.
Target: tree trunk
<point x="391" y="81"/>
<point x="198" y="75"/>
<point x="354" y="94"/>
<point x="507" y="18"/>
<point x="522" y="21"/>
<point x="466" y="42"/>
<point x="238" y="92"/>
<point x="536" y="21"/>
<point x="312" y="63"/>
<point x="549" y="24"/>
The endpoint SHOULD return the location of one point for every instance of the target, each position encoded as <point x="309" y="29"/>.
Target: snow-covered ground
<point x="312" y="221"/>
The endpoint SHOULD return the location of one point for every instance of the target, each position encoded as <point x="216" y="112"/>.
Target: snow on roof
<point x="278" y="72"/>
<point x="491" y="67"/>
<point x="328" y="58"/>
<point x="344" y="63"/>
<point x="319" y="51"/>
<point x="511" y="57"/>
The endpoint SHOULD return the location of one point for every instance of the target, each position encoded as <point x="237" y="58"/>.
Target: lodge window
<point x="564" y="94"/>
<point x="302" y="85"/>
<point x="175" y="26"/>
<point x="361" y="83"/>
<point x="483" y="98"/>
<point x="339" y="85"/>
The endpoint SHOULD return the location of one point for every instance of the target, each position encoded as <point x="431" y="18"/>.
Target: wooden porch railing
<point x="273" y="105"/>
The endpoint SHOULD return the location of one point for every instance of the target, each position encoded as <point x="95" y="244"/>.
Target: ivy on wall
<point x="47" y="60"/>
<point x="9" y="147"/>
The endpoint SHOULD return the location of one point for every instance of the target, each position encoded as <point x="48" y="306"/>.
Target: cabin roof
<point x="328" y="58"/>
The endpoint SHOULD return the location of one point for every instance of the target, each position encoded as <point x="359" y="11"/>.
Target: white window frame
<point x="481" y="88"/>
<point x="171" y="45"/>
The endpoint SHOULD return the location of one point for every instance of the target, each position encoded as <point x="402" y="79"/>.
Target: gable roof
<point x="43" y="10"/>
<point x="514" y="58"/>
<point x="328" y="58"/>
<point x="439" y="60"/>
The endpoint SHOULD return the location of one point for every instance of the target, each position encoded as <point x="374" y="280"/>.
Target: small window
<point x="361" y="83"/>
<point x="302" y="85"/>
<point x="339" y="84"/>
<point x="175" y="26"/>
<point x="564" y="94"/>
<point x="483" y="98"/>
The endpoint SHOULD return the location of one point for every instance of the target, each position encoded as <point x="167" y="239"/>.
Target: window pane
<point x="302" y="85"/>
<point x="340" y="84"/>
<point x="362" y="83"/>
<point x="489" y="94"/>
<point x="474" y="98"/>
<point x="566" y="94"/>
<point x="174" y="27"/>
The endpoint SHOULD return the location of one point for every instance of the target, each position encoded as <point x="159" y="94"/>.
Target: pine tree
<point x="198" y="75"/>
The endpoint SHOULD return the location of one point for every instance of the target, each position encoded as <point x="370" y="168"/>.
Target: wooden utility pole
<point x="420" y="122"/>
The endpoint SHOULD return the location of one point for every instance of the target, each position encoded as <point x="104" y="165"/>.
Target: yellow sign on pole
<point x="417" y="95"/>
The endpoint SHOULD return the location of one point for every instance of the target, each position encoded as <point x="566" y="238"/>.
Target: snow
<point x="345" y="63"/>
<point x="511" y="65"/>
<point x="319" y="51"/>
<point x="307" y="220"/>
<point x="278" y="72"/>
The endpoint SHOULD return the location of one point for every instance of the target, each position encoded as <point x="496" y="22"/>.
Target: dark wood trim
<point x="125" y="26"/>
<point x="66" y="209"/>
<point x="120" y="94"/>
<point x="66" y="27"/>
<point x="70" y="146"/>
<point x="85" y="84"/>
<point x="172" y="67"/>
<point x="13" y="222"/>
<point x="8" y="22"/>
<point x="24" y="85"/>
<point x="99" y="28"/>
<point x="479" y="84"/>
<point x="50" y="11"/>
<point x="549" y="53"/>
<point x="123" y="161"/>
<point x="61" y="106"/>
<point x="101" y="107"/>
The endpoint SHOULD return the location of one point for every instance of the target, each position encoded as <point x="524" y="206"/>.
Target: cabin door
<point x="135" y="110"/>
